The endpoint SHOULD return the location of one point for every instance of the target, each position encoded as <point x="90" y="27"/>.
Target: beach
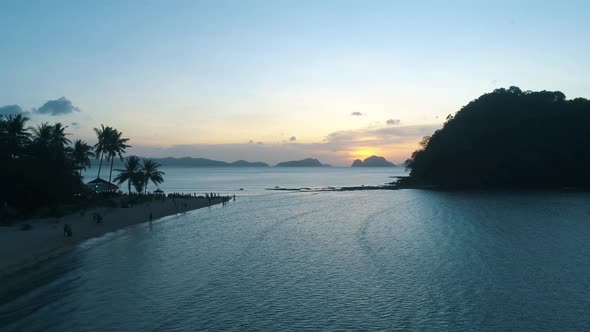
<point x="21" y="249"/>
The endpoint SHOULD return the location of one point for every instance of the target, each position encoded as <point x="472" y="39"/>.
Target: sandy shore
<point x="21" y="249"/>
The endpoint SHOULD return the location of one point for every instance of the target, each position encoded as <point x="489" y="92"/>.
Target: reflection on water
<point x="376" y="260"/>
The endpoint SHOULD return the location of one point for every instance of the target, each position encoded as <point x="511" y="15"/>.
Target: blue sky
<point x="213" y="79"/>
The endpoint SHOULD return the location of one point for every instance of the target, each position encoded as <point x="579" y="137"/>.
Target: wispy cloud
<point x="356" y="114"/>
<point x="292" y="139"/>
<point x="392" y="122"/>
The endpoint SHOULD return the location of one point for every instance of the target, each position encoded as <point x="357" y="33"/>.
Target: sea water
<point x="292" y="261"/>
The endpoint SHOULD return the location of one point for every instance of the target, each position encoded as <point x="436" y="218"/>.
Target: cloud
<point x="251" y="142"/>
<point x="57" y="107"/>
<point x="379" y="136"/>
<point x="75" y="125"/>
<point x="52" y="107"/>
<point x="259" y="143"/>
<point x="292" y="139"/>
<point x="356" y="114"/>
<point x="11" y="109"/>
<point x="392" y="122"/>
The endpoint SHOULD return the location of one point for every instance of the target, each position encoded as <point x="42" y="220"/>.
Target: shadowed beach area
<point x="45" y="239"/>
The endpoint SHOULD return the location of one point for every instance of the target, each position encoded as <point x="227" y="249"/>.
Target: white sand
<point x="20" y="249"/>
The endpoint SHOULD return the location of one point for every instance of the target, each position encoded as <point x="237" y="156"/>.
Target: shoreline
<point x="22" y="249"/>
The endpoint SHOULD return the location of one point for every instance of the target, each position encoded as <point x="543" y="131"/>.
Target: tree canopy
<point x="509" y="138"/>
<point x="42" y="168"/>
<point x="38" y="168"/>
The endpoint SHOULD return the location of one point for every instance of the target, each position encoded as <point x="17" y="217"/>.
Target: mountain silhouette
<point x="203" y="162"/>
<point x="372" y="161"/>
<point x="309" y="162"/>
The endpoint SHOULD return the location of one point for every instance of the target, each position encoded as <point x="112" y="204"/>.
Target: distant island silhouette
<point x="203" y="162"/>
<point x="372" y="161"/>
<point x="309" y="162"/>
<point x="509" y="138"/>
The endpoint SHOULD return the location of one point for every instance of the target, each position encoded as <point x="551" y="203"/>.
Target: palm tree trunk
<point x="147" y="181"/>
<point x="111" y="173"/>
<point x="99" y="166"/>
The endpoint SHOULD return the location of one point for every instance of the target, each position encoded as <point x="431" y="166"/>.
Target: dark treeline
<point x="41" y="166"/>
<point x="509" y="138"/>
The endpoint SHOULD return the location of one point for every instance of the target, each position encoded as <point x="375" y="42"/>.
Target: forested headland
<point x="509" y="138"/>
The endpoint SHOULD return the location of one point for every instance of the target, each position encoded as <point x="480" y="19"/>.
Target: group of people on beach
<point x="209" y="196"/>
<point x="226" y="199"/>
<point x="97" y="218"/>
<point x="183" y="195"/>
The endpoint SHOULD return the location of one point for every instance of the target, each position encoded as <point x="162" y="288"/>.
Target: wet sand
<point x="22" y="249"/>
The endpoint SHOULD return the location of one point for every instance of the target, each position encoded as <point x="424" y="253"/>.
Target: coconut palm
<point x="131" y="173"/>
<point x="139" y="183"/>
<point x="116" y="146"/>
<point x="50" y="139"/>
<point x="104" y="135"/>
<point x="151" y="173"/>
<point x="42" y="135"/>
<point x="80" y="154"/>
<point x="16" y="133"/>
<point x="58" y="136"/>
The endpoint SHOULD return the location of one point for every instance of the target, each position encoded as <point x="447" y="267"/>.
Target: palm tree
<point x="58" y="136"/>
<point x="16" y="134"/>
<point x="116" y="147"/>
<point x="131" y="173"/>
<point x="42" y="135"/>
<point x="151" y="173"/>
<point x="104" y="135"/>
<point x="140" y="182"/>
<point x="80" y="154"/>
<point x="50" y="139"/>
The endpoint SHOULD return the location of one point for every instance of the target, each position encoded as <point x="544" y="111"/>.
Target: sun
<point x="364" y="153"/>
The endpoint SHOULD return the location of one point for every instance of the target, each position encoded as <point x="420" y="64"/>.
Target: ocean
<point x="257" y="180"/>
<point x="293" y="261"/>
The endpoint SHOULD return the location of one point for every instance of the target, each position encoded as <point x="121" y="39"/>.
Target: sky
<point x="280" y="80"/>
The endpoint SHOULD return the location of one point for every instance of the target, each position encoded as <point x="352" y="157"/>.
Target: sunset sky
<point x="280" y="80"/>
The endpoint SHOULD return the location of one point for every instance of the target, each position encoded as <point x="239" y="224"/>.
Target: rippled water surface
<point x="373" y="260"/>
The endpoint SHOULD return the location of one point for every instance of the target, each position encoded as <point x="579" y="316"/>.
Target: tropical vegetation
<point x="39" y="168"/>
<point x="139" y="173"/>
<point x="110" y="145"/>
<point x="509" y="139"/>
<point x="42" y="166"/>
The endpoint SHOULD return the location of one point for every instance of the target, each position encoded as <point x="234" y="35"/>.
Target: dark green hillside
<point x="509" y="138"/>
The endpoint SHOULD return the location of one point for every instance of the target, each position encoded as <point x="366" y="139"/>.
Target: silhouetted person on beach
<point x="67" y="230"/>
<point x="151" y="216"/>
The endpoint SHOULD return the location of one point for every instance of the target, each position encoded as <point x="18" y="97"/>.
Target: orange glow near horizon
<point x="364" y="153"/>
